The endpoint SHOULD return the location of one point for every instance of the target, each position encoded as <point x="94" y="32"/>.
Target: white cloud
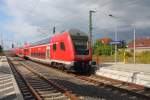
<point x="29" y="15"/>
<point x="21" y="29"/>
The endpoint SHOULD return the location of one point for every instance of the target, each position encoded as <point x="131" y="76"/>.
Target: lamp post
<point x="134" y="44"/>
<point x="116" y="33"/>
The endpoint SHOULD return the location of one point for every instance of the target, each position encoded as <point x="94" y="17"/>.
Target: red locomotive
<point x="66" y="50"/>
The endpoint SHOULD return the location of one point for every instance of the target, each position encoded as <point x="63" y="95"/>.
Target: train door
<point x="48" y="52"/>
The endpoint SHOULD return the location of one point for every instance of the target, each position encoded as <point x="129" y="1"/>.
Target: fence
<point x="140" y="58"/>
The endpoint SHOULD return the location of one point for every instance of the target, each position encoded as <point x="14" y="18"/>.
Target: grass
<point x="144" y="57"/>
<point x="141" y="58"/>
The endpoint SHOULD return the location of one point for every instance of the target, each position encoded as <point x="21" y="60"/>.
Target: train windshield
<point x="81" y="45"/>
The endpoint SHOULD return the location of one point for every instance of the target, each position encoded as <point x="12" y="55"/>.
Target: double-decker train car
<point x="19" y="52"/>
<point x="67" y="50"/>
<point x="40" y="51"/>
<point x="26" y="50"/>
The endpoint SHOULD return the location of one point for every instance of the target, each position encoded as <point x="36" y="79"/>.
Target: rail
<point x="67" y="93"/>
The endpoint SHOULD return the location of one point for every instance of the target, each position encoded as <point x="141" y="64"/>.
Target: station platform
<point x="8" y="86"/>
<point x="135" y="73"/>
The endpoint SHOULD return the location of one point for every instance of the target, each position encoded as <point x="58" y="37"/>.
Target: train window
<point x="62" y="46"/>
<point x="81" y="46"/>
<point x="54" y="47"/>
<point x="26" y="50"/>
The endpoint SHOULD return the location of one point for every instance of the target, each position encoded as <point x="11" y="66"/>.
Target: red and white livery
<point x="67" y="50"/>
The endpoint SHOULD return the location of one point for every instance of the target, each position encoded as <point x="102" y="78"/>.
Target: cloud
<point x="30" y="16"/>
<point x="21" y="29"/>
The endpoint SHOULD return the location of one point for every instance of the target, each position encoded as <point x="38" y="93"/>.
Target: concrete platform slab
<point x="135" y="73"/>
<point x="8" y="86"/>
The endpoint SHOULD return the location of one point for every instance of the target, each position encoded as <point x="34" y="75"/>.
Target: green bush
<point x="144" y="57"/>
<point x="102" y="49"/>
<point x="121" y="54"/>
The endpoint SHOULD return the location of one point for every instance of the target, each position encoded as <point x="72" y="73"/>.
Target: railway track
<point x="27" y="94"/>
<point x="134" y="89"/>
<point x="131" y="88"/>
<point x="124" y="90"/>
<point x="34" y="85"/>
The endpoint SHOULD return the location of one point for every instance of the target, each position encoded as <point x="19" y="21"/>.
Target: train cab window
<point x="62" y="46"/>
<point x="54" y="47"/>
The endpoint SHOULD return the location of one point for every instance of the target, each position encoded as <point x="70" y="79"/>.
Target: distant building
<point x="141" y="44"/>
<point x="105" y="40"/>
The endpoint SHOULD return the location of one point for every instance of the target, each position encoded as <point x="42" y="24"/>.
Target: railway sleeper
<point x="29" y="97"/>
<point x="21" y="84"/>
<point x="25" y="90"/>
<point x="26" y="93"/>
<point x="57" y="98"/>
<point x="51" y="91"/>
<point x="52" y="94"/>
<point x="35" y="81"/>
<point x="39" y="83"/>
<point x="43" y="89"/>
<point x="42" y="86"/>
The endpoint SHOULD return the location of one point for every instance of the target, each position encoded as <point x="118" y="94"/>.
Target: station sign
<point x="115" y="42"/>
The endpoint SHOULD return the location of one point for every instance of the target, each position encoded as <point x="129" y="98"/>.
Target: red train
<point x="67" y="50"/>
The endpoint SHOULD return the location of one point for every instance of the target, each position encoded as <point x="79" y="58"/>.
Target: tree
<point x="1" y="48"/>
<point x="102" y="49"/>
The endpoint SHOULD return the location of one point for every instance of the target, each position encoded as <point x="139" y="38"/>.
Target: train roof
<point x="41" y="42"/>
<point x="72" y="32"/>
<point x="77" y="32"/>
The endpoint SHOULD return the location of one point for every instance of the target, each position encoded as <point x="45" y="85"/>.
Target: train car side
<point x="67" y="50"/>
<point x="40" y="53"/>
<point x="62" y="52"/>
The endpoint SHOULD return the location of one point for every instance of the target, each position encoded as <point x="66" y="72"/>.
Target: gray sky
<point x="31" y="20"/>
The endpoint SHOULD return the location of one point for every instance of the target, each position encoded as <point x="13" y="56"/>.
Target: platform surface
<point x="8" y="86"/>
<point x="135" y="73"/>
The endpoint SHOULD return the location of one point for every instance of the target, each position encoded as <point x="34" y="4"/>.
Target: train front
<point x="82" y="51"/>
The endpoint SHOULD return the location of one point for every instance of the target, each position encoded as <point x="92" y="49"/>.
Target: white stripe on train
<point x="48" y="61"/>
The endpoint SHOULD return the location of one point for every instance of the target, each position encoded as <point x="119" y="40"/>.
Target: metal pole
<point x="90" y="29"/>
<point x="116" y="45"/>
<point x="111" y="49"/>
<point x="110" y="15"/>
<point x="134" y="45"/>
<point x="17" y="44"/>
<point x="2" y="40"/>
<point x="54" y="30"/>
